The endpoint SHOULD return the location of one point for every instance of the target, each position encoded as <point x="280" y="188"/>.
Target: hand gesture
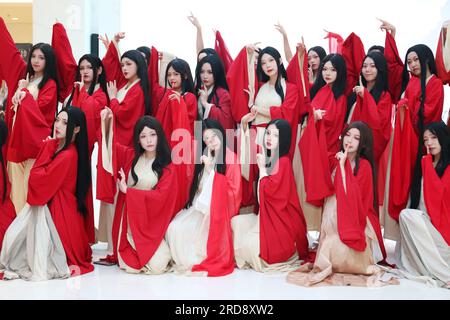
<point x="193" y="19"/>
<point x="121" y="183"/>
<point x="281" y="29"/>
<point x="24" y="83"/>
<point x="104" y="40"/>
<point x="119" y="36"/>
<point x="175" y="96"/>
<point x="319" y="114"/>
<point x="112" y="89"/>
<point x="106" y="113"/>
<point x="387" y="26"/>
<point x="251" y="96"/>
<point x="342" y="157"/>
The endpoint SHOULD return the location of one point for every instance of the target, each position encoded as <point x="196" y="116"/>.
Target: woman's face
<point x="206" y="74"/>
<point x="271" y="138"/>
<point x="313" y="60"/>
<point x="60" y="127"/>
<point x="86" y="72"/>
<point x="129" y="69"/>
<point x="148" y="139"/>
<point x="432" y="143"/>
<point x="329" y="73"/>
<point x="369" y="70"/>
<point x="414" y="64"/>
<point x="174" y="78"/>
<point x="212" y="140"/>
<point x="351" y="140"/>
<point x="269" y="65"/>
<point x="38" y="61"/>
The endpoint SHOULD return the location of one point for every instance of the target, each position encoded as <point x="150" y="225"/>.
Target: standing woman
<point x="200" y="236"/>
<point x="349" y="245"/>
<point x="371" y="102"/>
<point x="145" y="206"/>
<point x="214" y="98"/>
<point x="128" y="104"/>
<point x="423" y="252"/>
<point x="176" y="99"/>
<point x="315" y="57"/>
<point x="329" y="105"/>
<point x="274" y="239"/>
<point x="423" y="103"/>
<point x="7" y="211"/>
<point x="39" y="80"/>
<point x="48" y="239"/>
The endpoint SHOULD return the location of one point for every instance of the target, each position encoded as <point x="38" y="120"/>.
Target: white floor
<point x="110" y="283"/>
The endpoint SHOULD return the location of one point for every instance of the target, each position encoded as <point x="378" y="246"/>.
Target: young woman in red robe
<point x="200" y="236"/>
<point x="273" y="239"/>
<point x="265" y="93"/>
<point x="128" y="104"/>
<point x="37" y="78"/>
<point x="350" y="242"/>
<point x="48" y="238"/>
<point x="7" y="211"/>
<point x="422" y="104"/>
<point x="176" y="100"/>
<point x="214" y="98"/>
<point x="423" y="251"/>
<point x="328" y="103"/>
<point x="148" y="184"/>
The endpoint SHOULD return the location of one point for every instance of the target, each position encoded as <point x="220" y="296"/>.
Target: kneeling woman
<point x="423" y="252"/>
<point x="275" y="239"/>
<point x="200" y="236"/>
<point x="48" y="239"/>
<point x="350" y="242"/>
<point x="145" y="206"/>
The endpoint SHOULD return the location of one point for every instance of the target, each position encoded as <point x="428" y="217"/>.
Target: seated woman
<point x="200" y="237"/>
<point x="145" y="206"/>
<point x="48" y="239"/>
<point x="350" y="241"/>
<point x="275" y="239"/>
<point x="423" y="252"/>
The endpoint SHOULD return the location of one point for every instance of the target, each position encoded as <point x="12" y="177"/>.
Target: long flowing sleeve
<point x="395" y="67"/>
<point x="65" y="62"/>
<point x="112" y="64"/>
<point x="353" y="53"/>
<point x="222" y="50"/>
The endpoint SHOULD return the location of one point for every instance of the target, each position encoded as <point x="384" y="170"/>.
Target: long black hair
<point x="3" y="137"/>
<point x="262" y="77"/>
<point x="142" y="73"/>
<point x="208" y="52"/>
<point x="426" y="59"/>
<point x="147" y="53"/>
<point x="339" y="85"/>
<point x="218" y="71"/>
<point x="320" y="52"/>
<point x="96" y="64"/>
<point x="163" y="153"/>
<point x="381" y="81"/>
<point x="76" y="118"/>
<point x="376" y="48"/>
<point x="182" y="67"/>
<point x="284" y="143"/>
<point x="441" y="131"/>
<point x="221" y="165"/>
<point x="50" y="70"/>
<point x="365" y="150"/>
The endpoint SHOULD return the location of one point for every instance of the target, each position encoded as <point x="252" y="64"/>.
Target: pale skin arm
<point x="287" y="48"/>
<point x="389" y="27"/>
<point x="200" y="44"/>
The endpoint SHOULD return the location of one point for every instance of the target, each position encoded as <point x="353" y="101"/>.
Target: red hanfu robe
<point x="30" y="129"/>
<point x="112" y="64"/>
<point x="221" y="109"/>
<point x="353" y="53"/>
<point x="437" y="197"/>
<point x="146" y="212"/>
<point x="7" y="210"/>
<point x="404" y="152"/>
<point x="65" y="62"/>
<point x="220" y="253"/>
<point x="237" y="79"/>
<point x="335" y="42"/>
<point x="395" y="67"/>
<point x="222" y="51"/>
<point x="434" y="100"/>
<point x="378" y="117"/>
<point x="282" y="224"/>
<point x="355" y="206"/>
<point x="442" y="71"/>
<point x="298" y="74"/>
<point x="53" y="182"/>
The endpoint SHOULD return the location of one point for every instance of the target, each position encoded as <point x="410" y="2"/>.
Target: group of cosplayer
<point x="341" y="144"/>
